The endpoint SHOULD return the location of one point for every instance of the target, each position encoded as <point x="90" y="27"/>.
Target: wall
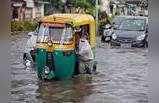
<point x="34" y="11"/>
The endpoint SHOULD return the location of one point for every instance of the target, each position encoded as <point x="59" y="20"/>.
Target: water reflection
<point x="70" y="91"/>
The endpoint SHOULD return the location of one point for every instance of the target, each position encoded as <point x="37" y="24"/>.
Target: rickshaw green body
<point x="64" y="65"/>
<point x="64" y="60"/>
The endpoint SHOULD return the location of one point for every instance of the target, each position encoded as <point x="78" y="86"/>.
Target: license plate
<point x="125" y="45"/>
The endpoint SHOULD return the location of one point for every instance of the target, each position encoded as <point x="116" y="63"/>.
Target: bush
<point x="23" y="26"/>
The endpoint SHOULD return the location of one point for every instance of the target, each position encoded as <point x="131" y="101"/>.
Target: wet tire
<point x="94" y="68"/>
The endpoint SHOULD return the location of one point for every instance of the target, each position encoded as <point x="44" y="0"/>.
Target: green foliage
<point x="87" y="5"/>
<point x="58" y="5"/>
<point x="54" y="6"/>
<point x="23" y="25"/>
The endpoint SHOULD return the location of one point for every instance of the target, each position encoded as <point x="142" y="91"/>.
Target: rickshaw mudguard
<point x="64" y="65"/>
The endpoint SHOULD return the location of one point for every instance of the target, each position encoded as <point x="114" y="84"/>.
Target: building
<point x="18" y="9"/>
<point x="140" y="7"/>
<point x="27" y="9"/>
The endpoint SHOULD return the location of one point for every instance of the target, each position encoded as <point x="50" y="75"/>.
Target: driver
<point x="85" y="55"/>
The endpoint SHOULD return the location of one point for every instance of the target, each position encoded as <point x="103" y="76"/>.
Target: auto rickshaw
<point x="56" y="46"/>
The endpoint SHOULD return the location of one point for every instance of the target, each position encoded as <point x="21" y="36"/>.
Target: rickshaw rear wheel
<point x="94" y="67"/>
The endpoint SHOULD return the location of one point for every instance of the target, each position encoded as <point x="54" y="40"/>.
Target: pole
<point x="96" y="17"/>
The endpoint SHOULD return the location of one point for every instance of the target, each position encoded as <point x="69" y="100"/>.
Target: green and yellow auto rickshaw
<point x="57" y="43"/>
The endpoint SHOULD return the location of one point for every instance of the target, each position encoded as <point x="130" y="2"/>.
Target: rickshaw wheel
<point x="94" y="67"/>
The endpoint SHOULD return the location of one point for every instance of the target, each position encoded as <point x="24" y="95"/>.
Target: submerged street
<point x="121" y="78"/>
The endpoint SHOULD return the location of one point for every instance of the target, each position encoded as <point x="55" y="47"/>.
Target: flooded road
<point x="121" y="79"/>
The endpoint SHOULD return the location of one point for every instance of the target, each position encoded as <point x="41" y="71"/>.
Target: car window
<point x="133" y="24"/>
<point x="118" y="20"/>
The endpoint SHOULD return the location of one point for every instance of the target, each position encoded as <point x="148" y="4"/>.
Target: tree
<point x="87" y="5"/>
<point x="54" y="6"/>
<point x="59" y="5"/>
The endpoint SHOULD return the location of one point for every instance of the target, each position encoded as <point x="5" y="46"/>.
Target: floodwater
<point x="121" y="78"/>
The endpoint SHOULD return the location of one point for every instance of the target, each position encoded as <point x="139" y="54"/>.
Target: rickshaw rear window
<point x="54" y="32"/>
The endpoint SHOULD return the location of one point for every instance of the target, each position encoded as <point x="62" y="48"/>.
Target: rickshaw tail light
<point x="46" y="70"/>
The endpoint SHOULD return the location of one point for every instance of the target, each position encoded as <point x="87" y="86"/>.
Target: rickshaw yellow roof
<point x="75" y="19"/>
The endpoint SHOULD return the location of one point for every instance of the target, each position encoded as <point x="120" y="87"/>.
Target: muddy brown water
<point x="121" y="78"/>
